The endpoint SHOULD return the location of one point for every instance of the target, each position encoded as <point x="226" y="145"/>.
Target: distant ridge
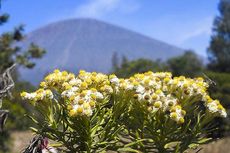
<point x="89" y="44"/>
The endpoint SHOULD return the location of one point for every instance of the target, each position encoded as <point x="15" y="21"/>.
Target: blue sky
<point x="184" y="23"/>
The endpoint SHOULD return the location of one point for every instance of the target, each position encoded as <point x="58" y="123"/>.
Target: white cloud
<point x="203" y="27"/>
<point x="100" y="8"/>
<point x="182" y="31"/>
<point x="178" y="30"/>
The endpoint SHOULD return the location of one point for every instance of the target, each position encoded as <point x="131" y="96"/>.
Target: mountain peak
<point x="89" y="44"/>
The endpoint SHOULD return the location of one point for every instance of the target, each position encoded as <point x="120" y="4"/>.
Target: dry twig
<point x="6" y="84"/>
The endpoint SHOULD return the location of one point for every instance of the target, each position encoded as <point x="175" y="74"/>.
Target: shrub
<point x="149" y="112"/>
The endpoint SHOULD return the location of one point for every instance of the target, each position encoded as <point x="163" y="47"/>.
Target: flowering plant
<point x="150" y="112"/>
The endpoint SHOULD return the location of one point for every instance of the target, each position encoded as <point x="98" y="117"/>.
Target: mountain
<point x="90" y="44"/>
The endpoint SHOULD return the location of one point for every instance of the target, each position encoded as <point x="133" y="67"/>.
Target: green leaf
<point x="34" y="129"/>
<point x="204" y="140"/>
<point x="127" y="150"/>
<point x="193" y="146"/>
<point x="134" y="143"/>
<point x="172" y="144"/>
<point x="30" y="117"/>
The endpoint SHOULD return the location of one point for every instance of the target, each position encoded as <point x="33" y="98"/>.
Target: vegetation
<point x="129" y="68"/>
<point x="188" y="64"/>
<point x="220" y="89"/>
<point x="219" y="49"/>
<point x="148" y="112"/>
<point x="11" y="54"/>
<point x="18" y="108"/>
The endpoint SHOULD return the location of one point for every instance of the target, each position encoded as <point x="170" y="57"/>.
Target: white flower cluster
<point x="215" y="107"/>
<point x="81" y="93"/>
<point x="83" y="103"/>
<point x="38" y="95"/>
<point x="157" y="91"/>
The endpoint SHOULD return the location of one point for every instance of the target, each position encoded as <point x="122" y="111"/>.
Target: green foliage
<point x="92" y="132"/>
<point x="157" y="133"/>
<point x="219" y="49"/>
<point x="18" y="108"/>
<point x="79" y="134"/>
<point x="148" y="112"/>
<point x="16" y="118"/>
<point x="221" y="90"/>
<point x="10" y="53"/>
<point x="187" y="64"/>
<point x="4" y="18"/>
<point x="128" y="68"/>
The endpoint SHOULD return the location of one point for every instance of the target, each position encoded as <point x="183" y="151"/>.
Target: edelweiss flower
<point x="155" y="91"/>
